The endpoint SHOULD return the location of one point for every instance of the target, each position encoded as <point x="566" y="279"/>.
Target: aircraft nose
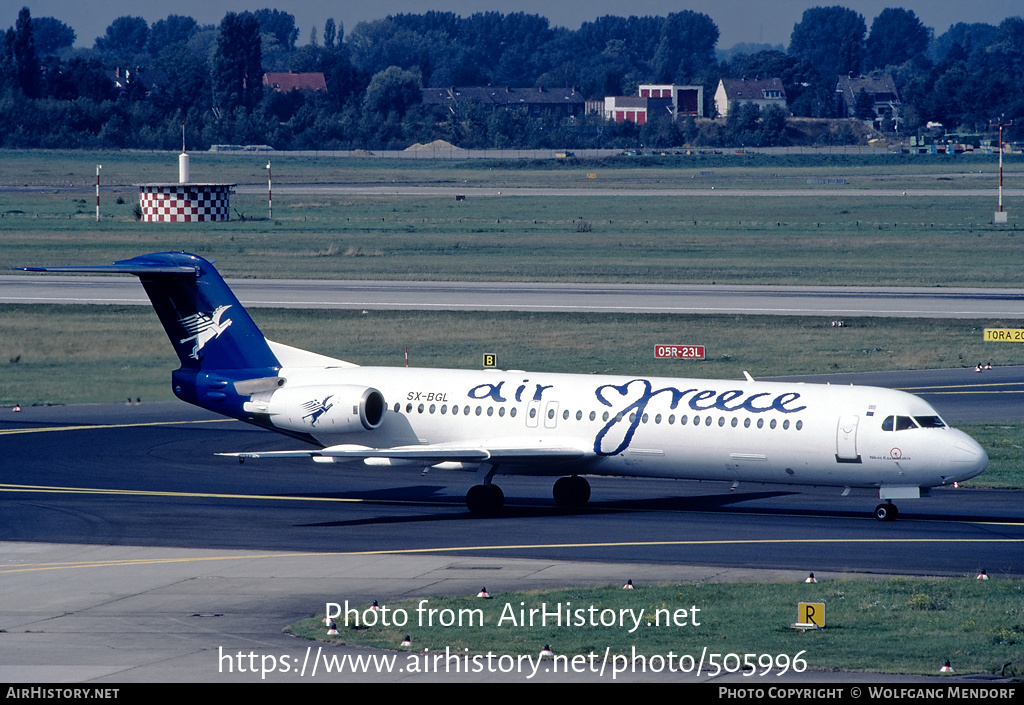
<point x="967" y="458"/>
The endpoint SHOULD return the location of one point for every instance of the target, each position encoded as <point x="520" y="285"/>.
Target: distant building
<point x="652" y="103"/>
<point x="565" y="102"/>
<point x="687" y="101"/>
<point x="151" y="80"/>
<point x="631" y="108"/>
<point x="295" y="81"/>
<point x="879" y="92"/>
<point x="738" y="91"/>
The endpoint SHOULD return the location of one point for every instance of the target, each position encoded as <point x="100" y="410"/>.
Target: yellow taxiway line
<point x="93" y="427"/>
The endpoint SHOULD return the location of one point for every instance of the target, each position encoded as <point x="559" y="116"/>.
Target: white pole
<point x="1000" y="168"/>
<point x="98" y="167"/>
<point x="270" y="194"/>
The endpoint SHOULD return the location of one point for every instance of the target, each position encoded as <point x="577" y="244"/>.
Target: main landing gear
<point x="886" y="511"/>
<point x="485" y="500"/>
<point x="571" y="491"/>
<point x="488" y="500"/>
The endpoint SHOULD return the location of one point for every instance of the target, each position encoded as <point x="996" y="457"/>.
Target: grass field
<point x="66" y="354"/>
<point x="898" y="625"/>
<point x="835" y="240"/>
<point x="62" y="169"/>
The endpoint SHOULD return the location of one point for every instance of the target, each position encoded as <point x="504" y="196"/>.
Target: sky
<point x="739" y="21"/>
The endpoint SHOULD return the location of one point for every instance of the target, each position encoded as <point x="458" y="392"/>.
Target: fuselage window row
<point x="684" y="419"/>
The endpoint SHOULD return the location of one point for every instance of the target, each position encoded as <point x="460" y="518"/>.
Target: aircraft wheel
<point x="485" y="500"/>
<point x="886" y="512"/>
<point x="571" y="491"/>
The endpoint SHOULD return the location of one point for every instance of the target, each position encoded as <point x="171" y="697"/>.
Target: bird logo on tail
<point x="204" y="327"/>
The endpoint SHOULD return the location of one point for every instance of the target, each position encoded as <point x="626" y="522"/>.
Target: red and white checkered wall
<point x="185" y="203"/>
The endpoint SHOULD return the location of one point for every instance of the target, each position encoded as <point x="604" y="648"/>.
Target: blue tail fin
<point x="207" y="326"/>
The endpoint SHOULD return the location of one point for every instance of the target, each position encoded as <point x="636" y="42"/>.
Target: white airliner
<point x="564" y="425"/>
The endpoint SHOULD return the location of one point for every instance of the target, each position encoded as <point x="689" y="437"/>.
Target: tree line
<point x="208" y="78"/>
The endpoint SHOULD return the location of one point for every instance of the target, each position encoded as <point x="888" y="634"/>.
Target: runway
<point x="650" y="191"/>
<point x="540" y="297"/>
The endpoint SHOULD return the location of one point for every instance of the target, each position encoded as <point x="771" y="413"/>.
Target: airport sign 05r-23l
<point x="680" y="352"/>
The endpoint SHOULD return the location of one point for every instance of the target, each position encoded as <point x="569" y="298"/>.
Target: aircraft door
<point x="551" y="414"/>
<point x="846" y="439"/>
<point x="532" y="414"/>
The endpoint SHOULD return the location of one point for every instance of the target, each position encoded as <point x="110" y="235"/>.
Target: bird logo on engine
<point x="315" y="409"/>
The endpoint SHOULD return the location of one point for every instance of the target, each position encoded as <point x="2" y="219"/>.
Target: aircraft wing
<point x="434" y="454"/>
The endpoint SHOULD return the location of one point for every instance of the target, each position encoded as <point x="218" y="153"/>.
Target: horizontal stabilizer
<point x="118" y="268"/>
<point x="206" y="324"/>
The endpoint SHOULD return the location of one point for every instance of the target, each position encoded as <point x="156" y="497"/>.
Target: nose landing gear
<point x="886" y="511"/>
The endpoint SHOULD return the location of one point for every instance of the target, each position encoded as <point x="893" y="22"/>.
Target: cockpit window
<point x="930" y="422"/>
<point x="902" y="423"/>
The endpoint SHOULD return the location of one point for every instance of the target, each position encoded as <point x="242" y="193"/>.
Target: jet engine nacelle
<point x="338" y="408"/>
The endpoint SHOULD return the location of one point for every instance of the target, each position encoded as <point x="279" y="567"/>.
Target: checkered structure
<point x="185" y="203"/>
